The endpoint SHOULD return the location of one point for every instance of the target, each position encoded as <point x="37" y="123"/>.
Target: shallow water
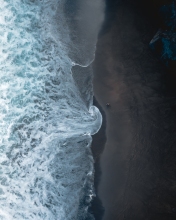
<point x="46" y="114"/>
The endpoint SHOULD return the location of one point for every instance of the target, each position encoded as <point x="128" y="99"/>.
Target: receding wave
<point x="46" y="115"/>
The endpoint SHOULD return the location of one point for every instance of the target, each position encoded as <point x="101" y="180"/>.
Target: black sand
<point x="135" y="154"/>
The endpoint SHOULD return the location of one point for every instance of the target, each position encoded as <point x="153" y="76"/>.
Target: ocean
<point x="47" y="115"/>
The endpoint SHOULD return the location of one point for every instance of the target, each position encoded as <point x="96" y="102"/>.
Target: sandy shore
<point x="135" y="155"/>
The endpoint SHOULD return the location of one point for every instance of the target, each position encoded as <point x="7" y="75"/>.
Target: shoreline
<point x="97" y="147"/>
<point x="131" y="160"/>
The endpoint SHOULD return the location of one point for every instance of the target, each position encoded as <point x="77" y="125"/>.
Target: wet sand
<point x="135" y="152"/>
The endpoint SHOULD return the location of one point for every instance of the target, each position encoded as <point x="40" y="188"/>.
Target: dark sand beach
<point x="135" y="150"/>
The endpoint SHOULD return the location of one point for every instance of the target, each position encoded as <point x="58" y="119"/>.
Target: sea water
<point x="46" y="112"/>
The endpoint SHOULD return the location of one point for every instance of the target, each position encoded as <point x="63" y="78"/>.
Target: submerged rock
<point x="164" y="42"/>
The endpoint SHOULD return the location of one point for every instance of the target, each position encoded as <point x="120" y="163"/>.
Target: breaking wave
<point x="46" y="114"/>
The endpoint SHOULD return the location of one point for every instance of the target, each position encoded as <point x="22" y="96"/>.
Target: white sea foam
<point x="46" y="166"/>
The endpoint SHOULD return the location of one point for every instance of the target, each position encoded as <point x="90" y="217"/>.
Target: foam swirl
<point x="46" y="167"/>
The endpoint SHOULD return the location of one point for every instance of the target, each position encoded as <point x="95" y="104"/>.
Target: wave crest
<point x="46" y="167"/>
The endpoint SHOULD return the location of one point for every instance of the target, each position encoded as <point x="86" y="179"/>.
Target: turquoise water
<point x="46" y="122"/>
